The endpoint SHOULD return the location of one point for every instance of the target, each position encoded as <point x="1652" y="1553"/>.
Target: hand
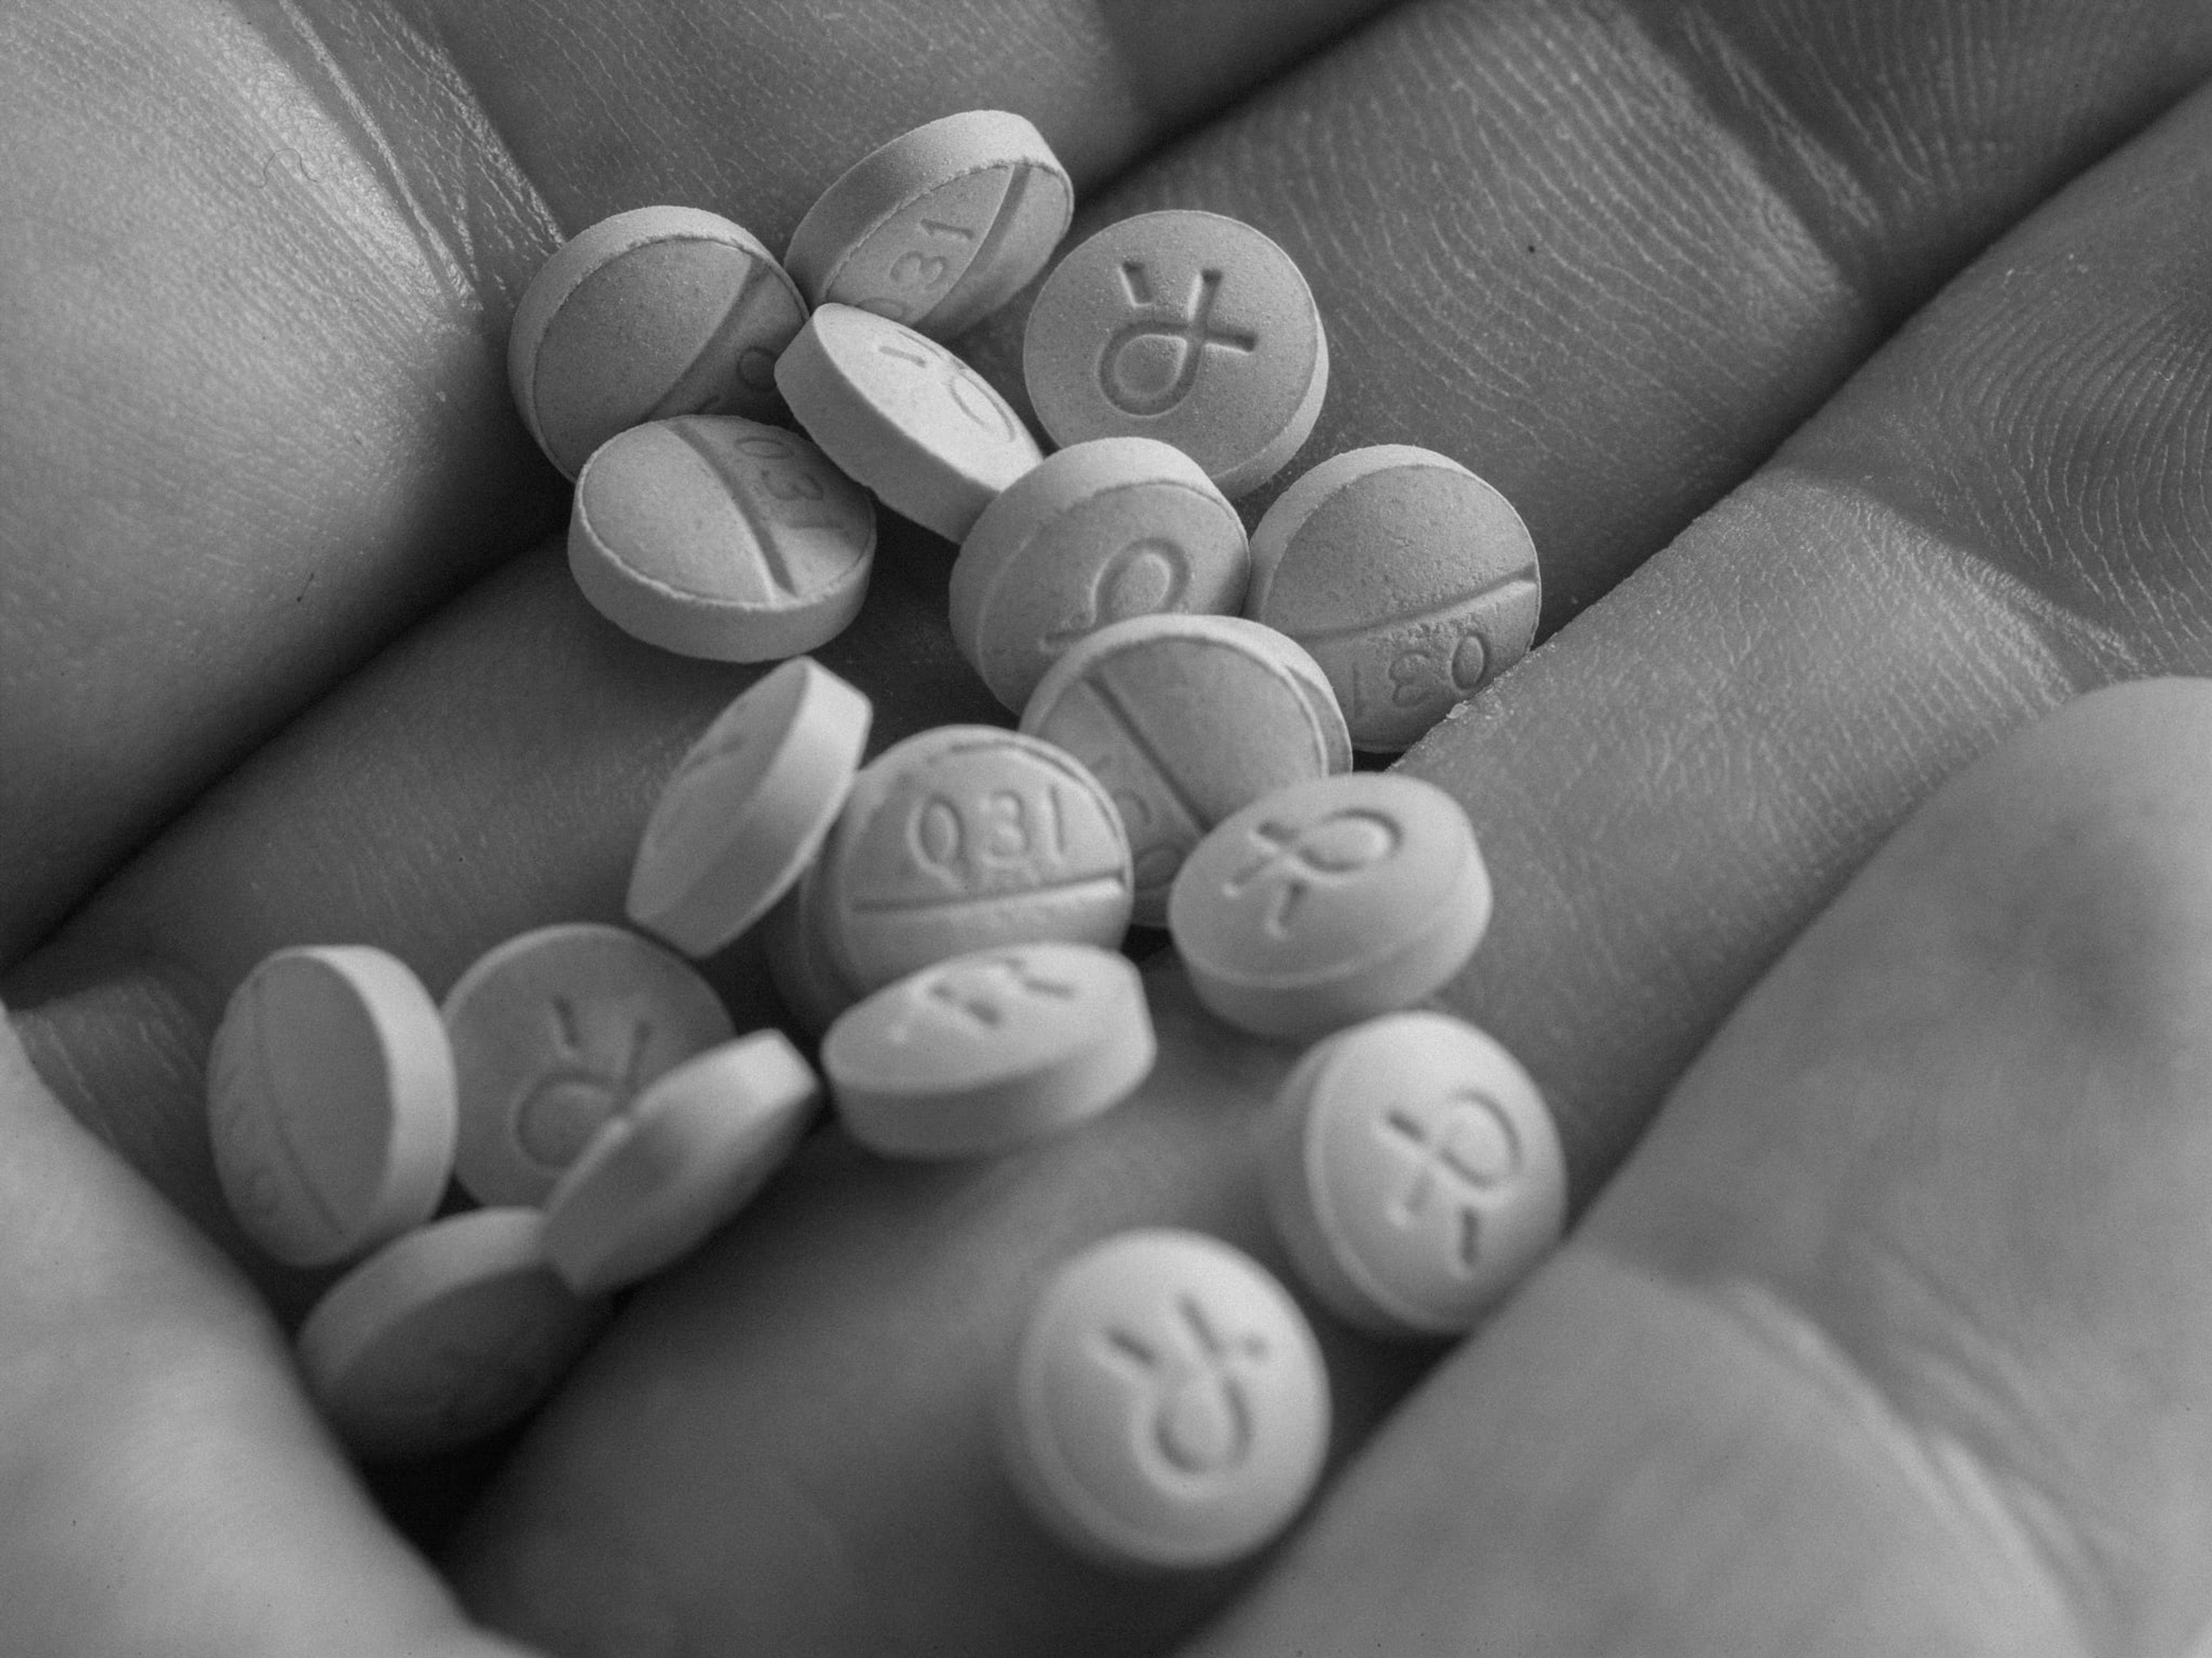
<point x="1884" y="1326"/>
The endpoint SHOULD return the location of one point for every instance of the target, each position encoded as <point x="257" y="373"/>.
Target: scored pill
<point x="902" y="413"/>
<point x="1413" y="1174"/>
<point x="940" y="226"/>
<point x="987" y="1052"/>
<point x="1329" y="902"/>
<point x="1411" y="582"/>
<point x="651" y="314"/>
<point x="330" y="1103"/>
<point x="1096" y="533"/>
<point x="555" y="1031"/>
<point x="1188" y="327"/>
<point x="449" y="1332"/>
<point x="690" y="1153"/>
<point x="1185" y="720"/>
<point x="1167" y="1407"/>
<point x="737" y="823"/>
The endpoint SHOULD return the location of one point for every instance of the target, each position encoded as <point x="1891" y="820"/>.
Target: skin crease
<point x="1632" y="264"/>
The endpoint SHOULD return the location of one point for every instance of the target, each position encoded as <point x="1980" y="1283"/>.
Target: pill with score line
<point x="1166" y="1406"/>
<point x="554" y="1032"/>
<point x="648" y="315"/>
<point x="330" y="1103"/>
<point x="1413" y="583"/>
<point x="983" y="1053"/>
<point x="938" y="228"/>
<point x="1412" y="1174"/>
<point x="1329" y="902"/>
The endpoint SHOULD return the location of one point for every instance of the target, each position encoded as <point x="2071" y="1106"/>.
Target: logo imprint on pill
<point x="1152" y="362"/>
<point x="1296" y="858"/>
<point x="968" y="393"/>
<point x="1198" y="1417"/>
<point x="979" y="993"/>
<point x="555" y="1116"/>
<point x="1466" y="1145"/>
<point x="1145" y="578"/>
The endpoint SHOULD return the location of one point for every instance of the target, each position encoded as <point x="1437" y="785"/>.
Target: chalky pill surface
<point x="748" y="806"/>
<point x="961" y="838"/>
<point x="690" y="1153"/>
<point x="1097" y="533"/>
<point x="330" y="1103"/>
<point x="553" y="1033"/>
<point x="799" y="965"/>
<point x="1185" y="720"/>
<point x="985" y="1052"/>
<point x="719" y="537"/>
<point x="1188" y="327"/>
<point x="905" y="417"/>
<point x="1413" y="1174"/>
<point x="1168" y="1407"/>
<point x="1411" y="582"/>
<point x="1329" y="902"/>
<point x="940" y="226"/>
<point x="654" y="313"/>
<point x="448" y="1333"/>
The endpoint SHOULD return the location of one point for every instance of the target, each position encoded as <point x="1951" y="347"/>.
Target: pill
<point x="940" y="226"/>
<point x="747" y="808"/>
<point x="691" y="1150"/>
<point x="555" y="1031"/>
<point x="658" y="312"/>
<point x="812" y="991"/>
<point x="715" y="536"/>
<point x="1185" y="326"/>
<point x="448" y="1333"/>
<point x="1167" y="1405"/>
<point x="1329" y="902"/>
<point x="961" y="838"/>
<point x="1413" y="1173"/>
<point x="1098" y="532"/>
<point x="905" y="416"/>
<point x="1185" y="720"/>
<point x="329" y="1094"/>
<point x="1411" y="582"/>
<point x="982" y="1054"/>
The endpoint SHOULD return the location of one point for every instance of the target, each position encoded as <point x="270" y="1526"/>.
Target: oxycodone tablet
<point x="330" y="1103"/>
<point x="651" y="314"/>
<point x="1185" y="326"/>
<point x="902" y="413"/>
<point x="1184" y="719"/>
<point x="1097" y="533"/>
<point x="1411" y="582"/>
<point x="719" y="537"/>
<point x="555" y="1031"/>
<point x="940" y="226"/>
<point x="1413" y="1174"/>
<point x="1167" y="1407"/>
<point x="1329" y="902"/>
<point x="981" y="1055"/>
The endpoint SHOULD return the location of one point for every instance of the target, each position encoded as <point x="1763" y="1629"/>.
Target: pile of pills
<point x="948" y="917"/>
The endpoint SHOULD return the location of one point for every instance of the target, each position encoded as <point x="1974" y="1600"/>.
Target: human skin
<point x="1848" y="363"/>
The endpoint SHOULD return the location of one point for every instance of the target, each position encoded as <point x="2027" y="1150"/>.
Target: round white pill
<point x="748" y="806"/>
<point x="330" y="1103"/>
<point x="654" y="313"/>
<point x="1097" y="533"/>
<point x="553" y="1033"/>
<point x="940" y="226"/>
<point x="1411" y="582"/>
<point x="1185" y="720"/>
<point x="985" y="1052"/>
<point x="719" y="537"/>
<point x="1329" y="902"/>
<point x="690" y="1153"/>
<point x="799" y="965"/>
<point x="1167" y="1407"/>
<point x="903" y="416"/>
<point x="448" y="1333"/>
<point x="1185" y="326"/>
<point x="1413" y="1174"/>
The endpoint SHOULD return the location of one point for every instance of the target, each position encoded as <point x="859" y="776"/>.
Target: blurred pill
<point x="330" y="1107"/>
<point x="654" y="313"/>
<point x="940" y="226"/>
<point x="808" y="983"/>
<point x="1096" y="533"/>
